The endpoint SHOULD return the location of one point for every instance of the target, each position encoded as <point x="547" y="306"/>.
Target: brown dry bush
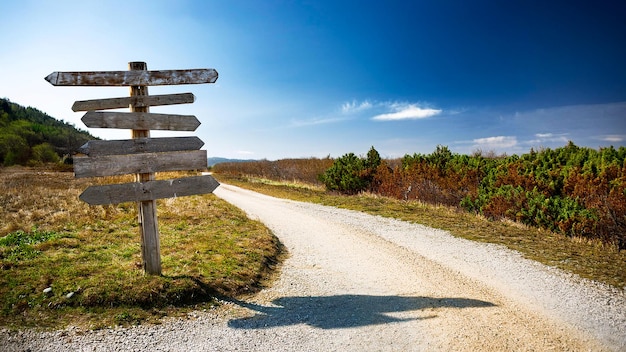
<point x="303" y="170"/>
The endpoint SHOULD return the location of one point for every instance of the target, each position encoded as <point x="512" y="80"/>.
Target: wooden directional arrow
<point x="133" y="78"/>
<point x="151" y="190"/>
<point x="140" y="121"/>
<point x="140" y="145"/>
<point x="139" y="101"/>
<point x="110" y="165"/>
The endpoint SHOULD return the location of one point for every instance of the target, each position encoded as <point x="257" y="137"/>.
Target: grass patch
<point x="18" y="246"/>
<point x="589" y="259"/>
<point x="63" y="262"/>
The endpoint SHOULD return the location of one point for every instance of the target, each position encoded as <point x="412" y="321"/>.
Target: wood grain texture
<point x="151" y="190"/>
<point x="137" y="101"/>
<point x="133" y="78"/>
<point x="147" y="209"/>
<point x="140" y="145"/>
<point x="110" y="165"/>
<point x="140" y="121"/>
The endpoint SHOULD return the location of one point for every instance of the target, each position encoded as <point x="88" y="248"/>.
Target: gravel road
<point x="356" y="282"/>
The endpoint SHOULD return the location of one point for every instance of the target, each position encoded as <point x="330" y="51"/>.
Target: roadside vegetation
<point x="63" y="262"/>
<point x="564" y="207"/>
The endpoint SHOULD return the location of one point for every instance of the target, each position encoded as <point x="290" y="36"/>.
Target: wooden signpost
<point x="141" y="155"/>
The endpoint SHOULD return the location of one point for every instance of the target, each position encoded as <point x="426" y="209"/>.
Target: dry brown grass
<point x="49" y="238"/>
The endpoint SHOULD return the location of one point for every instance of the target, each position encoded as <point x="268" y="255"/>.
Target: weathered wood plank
<point x="137" y="101"/>
<point x="151" y="190"/>
<point x="140" y="121"/>
<point x="133" y="78"/>
<point x="146" y="210"/>
<point x="140" y="145"/>
<point x="110" y="165"/>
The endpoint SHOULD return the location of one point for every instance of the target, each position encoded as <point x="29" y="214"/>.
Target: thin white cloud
<point x="354" y="106"/>
<point x="244" y="152"/>
<point x="581" y="122"/>
<point x="497" y="142"/>
<point x="548" y="138"/>
<point x="314" y="122"/>
<point x="456" y="111"/>
<point x="406" y="112"/>
<point x="614" y="138"/>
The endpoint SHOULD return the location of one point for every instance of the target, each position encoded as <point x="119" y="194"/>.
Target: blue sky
<point x="318" y="78"/>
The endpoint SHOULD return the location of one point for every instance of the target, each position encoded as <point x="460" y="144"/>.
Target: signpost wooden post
<point x="148" y="224"/>
<point x="141" y="155"/>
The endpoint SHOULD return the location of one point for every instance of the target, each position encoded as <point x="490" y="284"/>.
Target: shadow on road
<point x="343" y="311"/>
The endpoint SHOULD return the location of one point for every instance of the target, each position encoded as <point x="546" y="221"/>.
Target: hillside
<point x="30" y="137"/>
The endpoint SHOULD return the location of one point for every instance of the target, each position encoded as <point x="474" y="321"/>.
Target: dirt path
<point x="368" y="283"/>
<point x="355" y="282"/>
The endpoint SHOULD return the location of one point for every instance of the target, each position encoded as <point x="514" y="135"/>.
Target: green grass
<point x="19" y="246"/>
<point x="90" y="256"/>
<point x="588" y="259"/>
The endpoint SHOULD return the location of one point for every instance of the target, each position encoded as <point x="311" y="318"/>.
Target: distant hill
<point x="217" y="160"/>
<point x="30" y="137"/>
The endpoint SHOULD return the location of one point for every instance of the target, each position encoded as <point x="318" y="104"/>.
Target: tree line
<point x="30" y="137"/>
<point x="571" y="190"/>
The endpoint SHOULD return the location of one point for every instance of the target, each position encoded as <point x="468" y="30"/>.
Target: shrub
<point x="44" y="153"/>
<point x="345" y="175"/>
<point x="351" y="174"/>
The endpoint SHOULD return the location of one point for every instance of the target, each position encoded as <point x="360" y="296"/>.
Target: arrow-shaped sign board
<point x="140" y="145"/>
<point x="139" y="101"/>
<point x="110" y="165"/>
<point x="140" y="121"/>
<point x="151" y="190"/>
<point x="133" y="78"/>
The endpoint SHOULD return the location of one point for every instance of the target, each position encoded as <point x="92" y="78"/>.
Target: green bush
<point x="351" y="174"/>
<point x="345" y="175"/>
<point x="44" y="153"/>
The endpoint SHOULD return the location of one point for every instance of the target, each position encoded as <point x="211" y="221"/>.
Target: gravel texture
<point x="356" y="282"/>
